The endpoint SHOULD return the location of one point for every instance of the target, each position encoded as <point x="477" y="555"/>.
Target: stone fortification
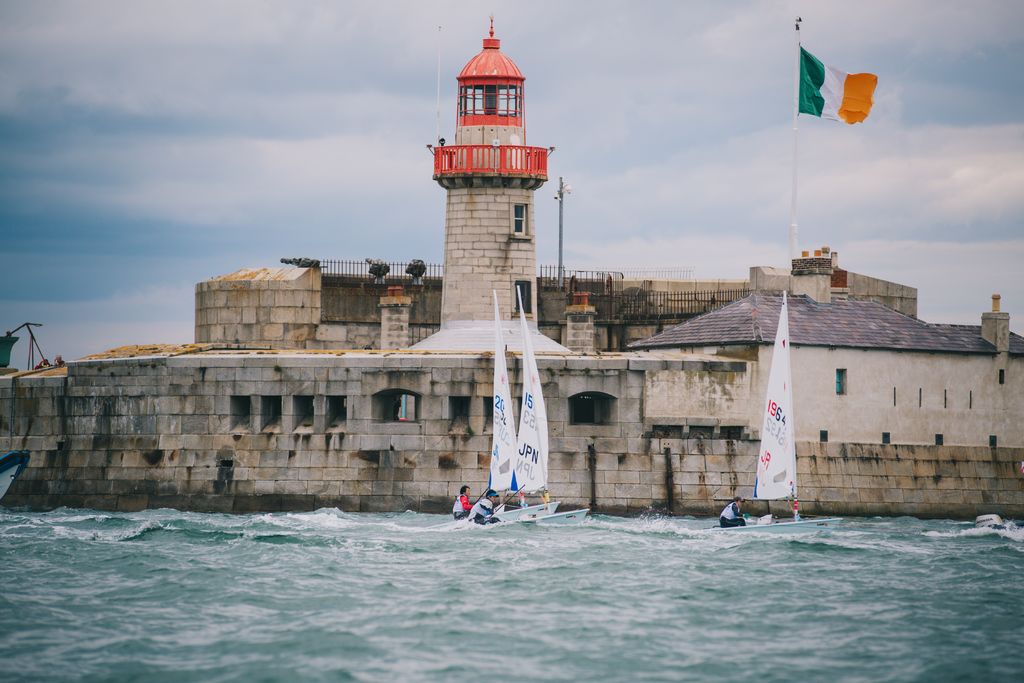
<point x="250" y="431"/>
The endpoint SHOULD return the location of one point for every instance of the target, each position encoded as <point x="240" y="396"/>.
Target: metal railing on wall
<point x="637" y="304"/>
<point x="361" y="270"/>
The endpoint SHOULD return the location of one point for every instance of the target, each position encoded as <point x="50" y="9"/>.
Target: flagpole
<point x="796" y="111"/>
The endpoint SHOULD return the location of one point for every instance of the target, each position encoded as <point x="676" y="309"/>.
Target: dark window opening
<point x="823" y="436"/>
<point x="523" y="286"/>
<point x="840" y="381"/>
<point x="458" y="409"/>
<point x="886" y="437"/>
<point x="241" y="413"/>
<point x="1002" y="376"/>
<point x="590" y="409"/>
<point x="488" y="404"/>
<point x="270" y="413"/>
<point x="938" y="439"/>
<point x="945" y="398"/>
<point x="920" y="397"/>
<point x="302" y="413"/>
<point x="667" y="431"/>
<point x="701" y="432"/>
<point x="894" y="397"/>
<point x="519" y="219"/>
<point x="970" y="400"/>
<point x="731" y="433"/>
<point x="395" y="405"/>
<point x="490" y="100"/>
<point x="337" y="410"/>
<point x="992" y="441"/>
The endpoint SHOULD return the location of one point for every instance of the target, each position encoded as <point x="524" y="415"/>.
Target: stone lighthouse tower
<point x="490" y="175"/>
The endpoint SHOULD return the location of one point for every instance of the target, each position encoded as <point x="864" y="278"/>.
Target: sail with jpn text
<point x="531" y="464"/>
<point x="503" y="441"/>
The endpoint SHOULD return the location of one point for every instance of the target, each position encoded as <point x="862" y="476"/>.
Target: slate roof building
<point x="865" y="373"/>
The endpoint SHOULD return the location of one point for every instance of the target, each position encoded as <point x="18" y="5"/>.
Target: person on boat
<point x="483" y="511"/>
<point x="731" y="515"/>
<point x="462" y="506"/>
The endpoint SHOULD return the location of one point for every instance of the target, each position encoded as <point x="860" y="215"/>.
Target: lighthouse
<point x="490" y="175"/>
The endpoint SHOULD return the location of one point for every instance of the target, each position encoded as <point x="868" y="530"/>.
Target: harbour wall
<point x="243" y="432"/>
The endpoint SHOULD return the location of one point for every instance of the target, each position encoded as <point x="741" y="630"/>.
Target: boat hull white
<point x="569" y="518"/>
<point x="11" y="465"/>
<point x="526" y="513"/>
<point x="804" y="526"/>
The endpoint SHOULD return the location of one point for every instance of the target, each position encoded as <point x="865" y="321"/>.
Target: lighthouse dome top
<point x="491" y="63"/>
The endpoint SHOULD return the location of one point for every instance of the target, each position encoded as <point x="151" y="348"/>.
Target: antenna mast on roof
<point x="437" y="136"/>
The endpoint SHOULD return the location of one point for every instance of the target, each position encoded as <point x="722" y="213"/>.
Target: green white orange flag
<point x="829" y="93"/>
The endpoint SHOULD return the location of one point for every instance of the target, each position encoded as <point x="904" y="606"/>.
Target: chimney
<point x="995" y="326"/>
<point x="812" y="275"/>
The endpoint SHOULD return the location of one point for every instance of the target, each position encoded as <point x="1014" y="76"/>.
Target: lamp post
<point x="563" y="189"/>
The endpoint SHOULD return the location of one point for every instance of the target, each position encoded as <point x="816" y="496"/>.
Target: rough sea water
<point x="328" y="596"/>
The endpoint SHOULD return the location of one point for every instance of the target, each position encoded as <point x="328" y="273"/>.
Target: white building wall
<point x="960" y="396"/>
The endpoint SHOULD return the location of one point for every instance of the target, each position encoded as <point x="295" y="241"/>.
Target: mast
<point x="796" y="112"/>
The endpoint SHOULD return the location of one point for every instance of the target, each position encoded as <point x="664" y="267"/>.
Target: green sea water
<point x="164" y="595"/>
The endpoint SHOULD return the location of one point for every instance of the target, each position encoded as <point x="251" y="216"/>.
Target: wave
<point x="1011" y="532"/>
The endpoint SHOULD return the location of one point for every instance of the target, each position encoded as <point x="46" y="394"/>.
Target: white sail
<point x="532" y="457"/>
<point x="503" y="441"/>
<point x="776" y="462"/>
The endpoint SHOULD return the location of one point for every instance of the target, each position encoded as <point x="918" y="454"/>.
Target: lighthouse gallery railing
<point x="504" y="159"/>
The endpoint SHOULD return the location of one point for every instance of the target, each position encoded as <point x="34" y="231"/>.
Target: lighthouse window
<point x="519" y="219"/>
<point x="491" y="99"/>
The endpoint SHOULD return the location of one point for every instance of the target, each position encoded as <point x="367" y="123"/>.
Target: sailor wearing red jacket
<point x="462" y="506"/>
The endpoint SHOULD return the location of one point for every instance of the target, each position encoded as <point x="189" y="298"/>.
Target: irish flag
<point x="827" y="92"/>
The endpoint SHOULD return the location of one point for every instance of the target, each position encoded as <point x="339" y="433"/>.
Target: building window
<point x="490" y="100"/>
<point x="992" y="441"/>
<point x="458" y="408"/>
<point x="920" y="397"/>
<point x="945" y="398"/>
<point x="241" y="413"/>
<point x="302" y="413"/>
<point x="894" y="397"/>
<point x="395" y="405"/>
<point x="886" y="438"/>
<point x="488" y="404"/>
<point x="524" y="290"/>
<point x="938" y="439"/>
<point x="823" y="436"/>
<point x="270" y="413"/>
<point x="1002" y="376"/>
<point x="840" y="381"/>
<point x="731" y="433"/>
<point x="591" y="408"/>
<point x="519" y="214"/>
<point x="970" y="400"/>
<point x="337" y="411"/>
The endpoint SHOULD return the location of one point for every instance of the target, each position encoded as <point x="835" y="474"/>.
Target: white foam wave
<point x="1011" y="532"/>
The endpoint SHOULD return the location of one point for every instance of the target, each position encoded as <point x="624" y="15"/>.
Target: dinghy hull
<point x="804" y="526"/>
<point x="570" y="518"/>
<point x="527" y="513"/>
<point x="11" y="465"/>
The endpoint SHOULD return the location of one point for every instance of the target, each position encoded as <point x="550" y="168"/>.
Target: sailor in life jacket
<point x="731" y="514"/>
<point x="483" y="511"/>
<point x="462" y="506"/>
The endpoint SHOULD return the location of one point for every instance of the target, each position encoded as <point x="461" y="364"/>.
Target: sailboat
<point x="11" y="465"/>
<point x="776" y="459"/>
<point x="504" y="448"/>
<point x="531" y="463"/>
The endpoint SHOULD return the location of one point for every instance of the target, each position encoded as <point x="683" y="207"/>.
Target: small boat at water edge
<point x="776" y="462"/>
<point x="11" y="466"/>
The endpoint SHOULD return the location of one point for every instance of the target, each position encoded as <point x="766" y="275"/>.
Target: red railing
<point x="487" y="159"/>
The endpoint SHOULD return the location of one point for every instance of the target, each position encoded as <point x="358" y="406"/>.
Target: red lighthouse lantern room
<point x="490" y="132"/>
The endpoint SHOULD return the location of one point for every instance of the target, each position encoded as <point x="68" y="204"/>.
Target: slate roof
<point x="842" y="323"/>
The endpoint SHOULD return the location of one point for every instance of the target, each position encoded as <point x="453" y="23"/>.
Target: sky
<point x="147" y="146"/>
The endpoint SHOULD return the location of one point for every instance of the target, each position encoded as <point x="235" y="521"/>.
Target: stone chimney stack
<point x="995" y="326"/>
<point x="812" y="275"/>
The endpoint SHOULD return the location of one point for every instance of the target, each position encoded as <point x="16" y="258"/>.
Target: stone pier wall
<point x="248" y="432"/>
